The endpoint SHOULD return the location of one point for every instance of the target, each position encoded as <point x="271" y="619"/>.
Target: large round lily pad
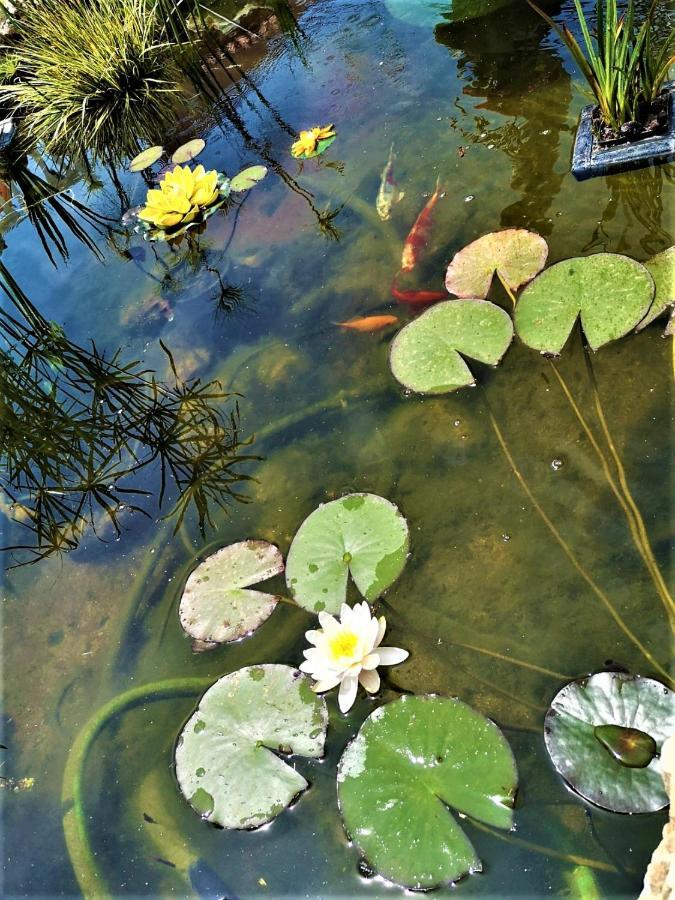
<point x="662" y="269"/>
<point x="215" y="606"/>
<point x="413" y="765"/>
<point x="611" y="292"/>
<point x="587" y="752"/>
<point x="360" y="534"/>
<point x="515" y="254"/>
<point x="425" y="355"/>
<point x="227" y="761"/>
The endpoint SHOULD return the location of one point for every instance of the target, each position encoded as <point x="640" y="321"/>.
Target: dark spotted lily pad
<point x="604" y="734"/>
<point x="610" y="292"/>
<point x="187" y="152"/>
<point x="145" y="159"/>
<point x="414" y="764"/>
<point x="247" y="178"/>
<point x="662" y="269"/>
<point x="360" y="534"/>
<point x="425" y="355"/>
<point x="515" y="254"/>
<point x="227" y="761"/>
<point x="216" y="606"/>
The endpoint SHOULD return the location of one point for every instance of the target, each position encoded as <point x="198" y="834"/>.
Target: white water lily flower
<point x="348" y="651"/>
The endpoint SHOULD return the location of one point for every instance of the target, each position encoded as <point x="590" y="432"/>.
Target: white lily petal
<point x="325" y="685"/>
<point x="328" y="623"/>
<point x="313" y="636"/>
<point x="372" y="661"/>
<point x="391" y="656"/>
<point x="345" y="613"/>
<point x="347" y="692"/>
<point x="370" y="681"/>
<point x="307" y="666"/>
<point x="381" y="628"/>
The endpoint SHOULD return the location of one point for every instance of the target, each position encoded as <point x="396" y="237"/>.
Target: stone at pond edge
<point x="659" y="881"/>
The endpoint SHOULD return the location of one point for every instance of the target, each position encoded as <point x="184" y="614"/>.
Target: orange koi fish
<point x="417" y="298"/>
<point x="419" y="234"/>
<point x="369" y="323"/>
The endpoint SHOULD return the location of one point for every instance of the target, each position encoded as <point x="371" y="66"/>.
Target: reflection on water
<point x="486" y="588"/>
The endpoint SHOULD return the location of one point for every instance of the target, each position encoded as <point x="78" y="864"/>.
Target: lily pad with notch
<point x="611" y="293"/>
<point x="227" y="756"/>
<point x="426" y="355"/>
<point x="361" y="535"/>
<point x="515" y="255"/>
<point x="604" y="734"/>
<point x="415" y="763"/>
<point x="217" y="606"/>
<point x="662" y="269"/>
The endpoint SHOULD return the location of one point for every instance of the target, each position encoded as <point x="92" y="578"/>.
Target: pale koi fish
<point x="388" y="193"/>
<point x="418" y="236"/>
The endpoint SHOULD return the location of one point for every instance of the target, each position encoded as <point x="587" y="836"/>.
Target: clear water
<point x="484" y="569"/>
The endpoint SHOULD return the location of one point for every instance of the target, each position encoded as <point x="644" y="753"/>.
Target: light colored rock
<point x="660" y="877"/>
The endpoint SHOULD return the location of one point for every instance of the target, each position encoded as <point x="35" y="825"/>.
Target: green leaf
<point x="145" y="159"/>
<point x="610" y="292"/>
<point x="515" y="254"/>
<point x="226" y="756"/>
<point x="662" y="269"/>
<point x="320" y="148"/>
<point x="425" y="355"/>
<point x="414" y="763"/>
<point x="360" y="534"/>
<point x="188" y="151"/>
<point x="247" y="178"/>
<point x="577" y="738"/>
<point x="215" y="606"/>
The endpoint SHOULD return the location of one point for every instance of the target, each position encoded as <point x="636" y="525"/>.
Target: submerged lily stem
<point x="567" y="550"/>
<point x="82" y="858"/>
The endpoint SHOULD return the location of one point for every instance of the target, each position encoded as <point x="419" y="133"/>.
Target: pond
<point x="501" y="600"/>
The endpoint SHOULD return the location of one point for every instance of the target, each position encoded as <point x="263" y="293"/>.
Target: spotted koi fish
<point x="388" y="194"/>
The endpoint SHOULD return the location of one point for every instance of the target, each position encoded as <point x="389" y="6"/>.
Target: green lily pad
<point x="145" y="159"/>
<point x="227" y="761"/>
<point x="360" y="534"/>
<point x="607" y="765"/>
<point x="188" y="151"/>
<point x="662" y="269"/>
<point x="247" y="178"/>
<point x="611" y="292"/>
<point x="414" y="763"/>
<point x="425" y="355"/>
<point x="515" y="254"/>
<point x="215" y="606"/>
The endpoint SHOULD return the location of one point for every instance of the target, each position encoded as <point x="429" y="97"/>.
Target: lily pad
<point x="215" y="606"/>
<point x="611" y="292"/>
<point x="612" y="766"/>
<point x="145" y="159"/>
<point x="360" y="534"/>
<point x="425" y="355"/>
<point x="414" y="763"/>
<point x="188" y="151"/>
<point x="227" y="761"/>
<point x="515" y="254"/>
<point x="662" y="269"/>
<point x="247" y="178"/>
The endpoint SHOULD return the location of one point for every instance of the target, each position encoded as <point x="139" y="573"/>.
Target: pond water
<point x="489" y="109"/>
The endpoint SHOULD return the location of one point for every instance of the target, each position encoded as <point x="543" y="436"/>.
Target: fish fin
<point x="399" y="196"/>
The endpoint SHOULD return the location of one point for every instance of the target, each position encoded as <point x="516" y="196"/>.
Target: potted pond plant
<point x="632" y="123"/>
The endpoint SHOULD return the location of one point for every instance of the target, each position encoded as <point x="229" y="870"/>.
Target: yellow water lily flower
<point x="347" y="652"/>
<point x="180" y="197"/>
<point x="307" y="140"/>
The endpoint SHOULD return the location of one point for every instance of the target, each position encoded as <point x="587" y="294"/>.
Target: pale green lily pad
<point x="662" y="269"/>
<point x="216" y="606"/>
<point x="514" y="254"/>
<point x="247" y="178"/>
<point x="611" y="292"/>
<point x="188" y="151"/>
<point x="425" y="355"/>
<point x="581" y="757"/>
<point x="414" y="765"/>
<point x="360" y="534"/>
<point x="226" y="756"/>
<point x="145" y="159"/>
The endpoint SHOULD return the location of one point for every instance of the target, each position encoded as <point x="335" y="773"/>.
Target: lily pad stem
<point x="508" y="290"/>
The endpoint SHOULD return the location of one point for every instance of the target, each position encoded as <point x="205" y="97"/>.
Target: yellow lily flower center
<point x="343" y="645"/>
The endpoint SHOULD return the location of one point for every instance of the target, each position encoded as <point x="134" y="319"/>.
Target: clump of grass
<point x="92" y="75"/>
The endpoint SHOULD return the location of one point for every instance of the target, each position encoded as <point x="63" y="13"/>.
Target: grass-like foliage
<point x="619" y="61"/>
<point x="91" y="75"/>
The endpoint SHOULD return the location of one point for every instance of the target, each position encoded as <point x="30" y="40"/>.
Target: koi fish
<point x="369" y="323"/>
<point x="388" y="193"/>
<point x="417" y="298"/>
<point x="419" y="234"/>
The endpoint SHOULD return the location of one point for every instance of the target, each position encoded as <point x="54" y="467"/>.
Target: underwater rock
<point x="660" y="875"/>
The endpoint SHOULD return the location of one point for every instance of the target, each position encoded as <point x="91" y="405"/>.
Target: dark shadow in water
<point x="501" y="59"/>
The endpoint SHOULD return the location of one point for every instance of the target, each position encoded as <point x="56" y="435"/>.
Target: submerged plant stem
<point x="82" y="858"/>
<point x="567" y="550"/>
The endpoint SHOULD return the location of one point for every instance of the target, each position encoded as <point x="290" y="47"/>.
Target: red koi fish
<point x="417" y="298"/>
<point x="369" y="323"/>
<point x="418" y="236"/>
